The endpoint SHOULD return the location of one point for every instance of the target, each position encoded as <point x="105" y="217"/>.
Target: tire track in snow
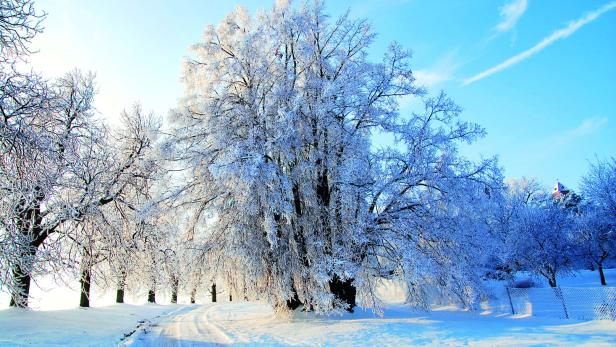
<point x="131" y="337"/>
<point x="186" y="328"/>
<point x="217" y="328"/>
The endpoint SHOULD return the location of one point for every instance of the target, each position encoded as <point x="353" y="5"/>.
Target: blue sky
<point x="538" y="75"/>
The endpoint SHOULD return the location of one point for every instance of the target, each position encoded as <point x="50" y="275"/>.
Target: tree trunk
<point x="294" y="302"/>
<point x="193" y="294"/>
<point x="552" y="281"/>
<point x="151" y="296"/>
<point x="84" y="281"/>
<point x="213" y="292"/>
<point x="601" y="274"/>
<point x="121" y="286"/>
<point x="174" y="290"/>
<point x="344" y="290"/>
<point x="21" y="287"/>
<point x="230" y="297"/>
<point x="120" y="295"/>
<point x="29" y="224"/>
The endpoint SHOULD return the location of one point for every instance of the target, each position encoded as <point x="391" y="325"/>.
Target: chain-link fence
<point x="574" y="303"/>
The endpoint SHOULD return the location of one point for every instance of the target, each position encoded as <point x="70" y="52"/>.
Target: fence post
<point x="510" y="302"/>
<point x="558" y="292"/>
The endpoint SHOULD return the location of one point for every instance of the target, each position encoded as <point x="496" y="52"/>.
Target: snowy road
<point x="250" y="324"/>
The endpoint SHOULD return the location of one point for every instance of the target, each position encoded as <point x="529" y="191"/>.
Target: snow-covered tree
<point x="517" y="195"/>
<point x="19" y="24"/>
<point x="59" y="167"/>
<point x="56" y="167"/>
<point x="597" y="229"/>
<point x="541" y="239"/>
<point x="595" y="238"/>
<point x="276" y="127"/>
<point x="598" y="186"/>
<point x="158" y="258"/>
<point x="90" y="241"/>
<point x="104" y="237"/>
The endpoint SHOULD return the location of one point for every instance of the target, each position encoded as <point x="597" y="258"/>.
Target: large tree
<point x="277" y="126"/>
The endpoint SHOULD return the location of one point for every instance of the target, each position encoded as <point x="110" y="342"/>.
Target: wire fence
<point x="569" y="303"/>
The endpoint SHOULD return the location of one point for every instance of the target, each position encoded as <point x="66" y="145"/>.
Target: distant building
<point x="559" y="191"/>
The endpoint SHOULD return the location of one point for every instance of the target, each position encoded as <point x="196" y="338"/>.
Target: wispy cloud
<point x="442" y="70"/>
<point x="430" y="78"/>
<point x="555" y="36"/>
<point x="588" y="127"/>
<point x="510" y="13"/>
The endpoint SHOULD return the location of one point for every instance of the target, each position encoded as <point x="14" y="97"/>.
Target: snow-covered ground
<point x="255" y="324"/>
<point x="247" y="323"/>
<point x="100" y="326"/>
<point x="244" y="323"/>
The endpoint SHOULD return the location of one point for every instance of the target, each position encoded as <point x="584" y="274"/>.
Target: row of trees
<point x="554" y="234"/>
<point x="77" y="197"/>
<point x="267" y="178"/>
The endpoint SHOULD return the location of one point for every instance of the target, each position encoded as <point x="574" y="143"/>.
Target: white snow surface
<point x="100" y="326"/>
<point x="255" y="324"/>
<point x="248" y="323"/>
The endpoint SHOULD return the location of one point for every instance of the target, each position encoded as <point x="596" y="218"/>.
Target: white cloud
<point x="431" y="78"/>
<point x="555" y="36"/>
<point x="556" y="142"/>
<point x="442" y="70"/>
<point x="588" y="127"/>
<point x="510" y="13"/>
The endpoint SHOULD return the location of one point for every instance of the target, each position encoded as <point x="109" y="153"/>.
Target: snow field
<point x="255" y="324"/>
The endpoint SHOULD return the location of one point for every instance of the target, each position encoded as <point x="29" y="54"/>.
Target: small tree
<point x="516" y="195"/>
<point x="541" y="239"/>
<point x="596" y="241"/>
<point x="597" y="228"/>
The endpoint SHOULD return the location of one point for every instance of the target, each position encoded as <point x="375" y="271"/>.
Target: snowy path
<point x="254" y="324"/>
